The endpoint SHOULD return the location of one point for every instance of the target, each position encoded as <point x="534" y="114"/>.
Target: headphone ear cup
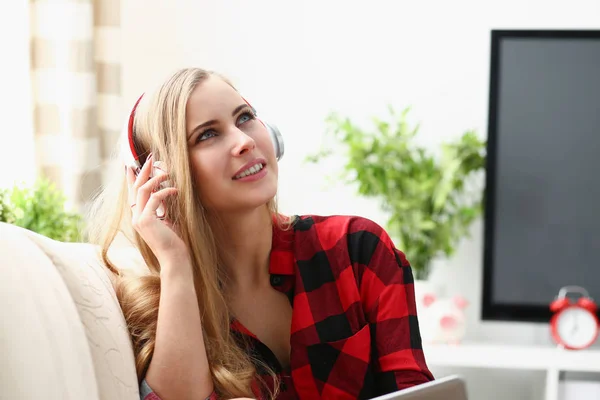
<point x="587" y="303"/>
<point x="276" y="138"/>
<point x="559" y="304"/>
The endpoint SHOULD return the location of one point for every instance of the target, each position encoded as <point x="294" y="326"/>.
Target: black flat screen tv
<point x="542" y="192"/>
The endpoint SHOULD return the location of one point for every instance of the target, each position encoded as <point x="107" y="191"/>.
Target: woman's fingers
<point x="147" y="189"/>
<point x="144" y="174"/>
<point x="156" y="201"/>
<point x="148" y="215"/>
<point x="134" y="182"/>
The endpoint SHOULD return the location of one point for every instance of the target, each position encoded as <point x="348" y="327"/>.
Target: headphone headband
<point x="136" y="157"/>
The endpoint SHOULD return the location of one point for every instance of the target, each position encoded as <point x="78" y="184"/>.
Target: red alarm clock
<point x="574" y="325"/>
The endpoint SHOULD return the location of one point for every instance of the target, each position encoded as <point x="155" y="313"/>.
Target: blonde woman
<point x="241" y="301"/>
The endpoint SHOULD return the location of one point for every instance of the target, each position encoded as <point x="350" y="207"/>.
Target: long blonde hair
<point x="160" y="127"/>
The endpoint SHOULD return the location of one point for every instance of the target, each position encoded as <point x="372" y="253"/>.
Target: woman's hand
<point x="146" y="199"/>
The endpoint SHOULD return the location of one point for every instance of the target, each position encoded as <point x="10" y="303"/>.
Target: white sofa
<point x="62" y="334"/>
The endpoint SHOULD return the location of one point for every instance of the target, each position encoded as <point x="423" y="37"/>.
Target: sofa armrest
<point x="45" y="352"/>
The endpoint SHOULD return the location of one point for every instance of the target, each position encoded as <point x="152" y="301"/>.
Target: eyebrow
<point x="212" y="121"/>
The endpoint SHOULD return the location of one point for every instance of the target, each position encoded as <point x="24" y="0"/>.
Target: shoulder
<point x="363" y="238"/>
<point x="355" y="252"/>
<point x="336" y="224"/>
<point x="335" y="227"/>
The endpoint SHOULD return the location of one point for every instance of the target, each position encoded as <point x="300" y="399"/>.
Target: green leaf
<point x="424" y="196"/>
<point x="41" y="208"/>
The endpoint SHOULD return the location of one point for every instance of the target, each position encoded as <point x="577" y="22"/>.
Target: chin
<point x="258" y="198"/>
<point x="247" y="200"/>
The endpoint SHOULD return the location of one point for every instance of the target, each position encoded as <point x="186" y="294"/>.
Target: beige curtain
<point x="76" y="82"/>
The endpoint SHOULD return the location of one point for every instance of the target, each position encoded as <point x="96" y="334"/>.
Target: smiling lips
<point x="252" y="168"/>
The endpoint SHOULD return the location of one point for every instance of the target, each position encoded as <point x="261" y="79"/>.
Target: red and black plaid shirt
<point x="354" y="332"/>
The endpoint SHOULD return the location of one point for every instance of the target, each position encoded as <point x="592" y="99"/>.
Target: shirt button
<point x="276" y="280"/>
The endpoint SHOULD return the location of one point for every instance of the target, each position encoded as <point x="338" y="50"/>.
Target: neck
<point x="244" y="242"/>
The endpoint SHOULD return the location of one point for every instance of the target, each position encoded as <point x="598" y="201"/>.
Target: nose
<point x="243" y="144"/>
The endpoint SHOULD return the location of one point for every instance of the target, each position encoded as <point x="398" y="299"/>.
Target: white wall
<point x="297" y="61"/>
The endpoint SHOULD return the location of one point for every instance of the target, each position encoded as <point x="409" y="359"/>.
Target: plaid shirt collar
<point x="282" y="257"/>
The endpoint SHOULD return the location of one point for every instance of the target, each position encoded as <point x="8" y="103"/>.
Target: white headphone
<point x="132" y="158"/>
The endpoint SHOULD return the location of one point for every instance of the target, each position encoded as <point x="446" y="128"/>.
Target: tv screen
<point x="542" y="196"/>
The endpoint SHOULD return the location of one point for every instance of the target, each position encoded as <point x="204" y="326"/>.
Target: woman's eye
<point x="245" y="117"/>
<point x="205" y="135"/>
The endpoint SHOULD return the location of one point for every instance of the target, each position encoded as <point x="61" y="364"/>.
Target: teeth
<point x="250" y="171"/>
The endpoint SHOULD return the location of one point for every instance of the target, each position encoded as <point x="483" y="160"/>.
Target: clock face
<point x="576" y="327"/>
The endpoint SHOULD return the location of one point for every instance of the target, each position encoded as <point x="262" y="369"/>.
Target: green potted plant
<point x="6" y="210"/>
<point x="431" y="199"/>
<point x="40" y="208"/>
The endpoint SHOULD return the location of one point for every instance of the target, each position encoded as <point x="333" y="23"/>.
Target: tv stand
<point x="552" y="360"/>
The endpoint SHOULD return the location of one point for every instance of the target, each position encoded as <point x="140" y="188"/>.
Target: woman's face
<point x="231" y="151"/>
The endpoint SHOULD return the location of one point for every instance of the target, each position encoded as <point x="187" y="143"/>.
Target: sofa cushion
<point x="82" y="303"/>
